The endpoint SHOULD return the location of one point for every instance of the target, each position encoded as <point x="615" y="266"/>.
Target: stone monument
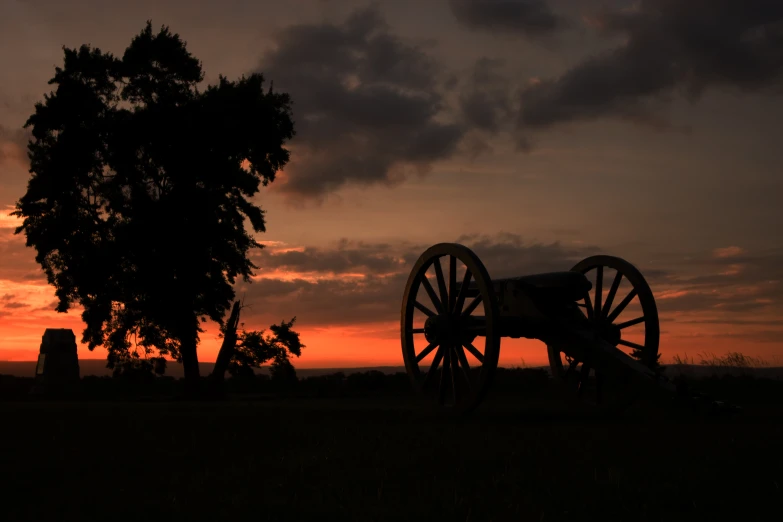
<point x="57" y="371"/>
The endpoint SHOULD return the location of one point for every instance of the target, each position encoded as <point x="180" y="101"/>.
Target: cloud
<point x="730" y="251"/>
<point x="365" y="102"/>
<point x="13" y="145"/>
<point x="669" y="48"/>
<point x="739" y="286"/>
<point x="485" y="101"/>
<point x="759" y="336"/>
<point x="509" y="255"/>
<point x="355" y="282"/>
<point x="359" y="283"/>
<point x="347" y="257"/>
<point x="7" y="301"/>
<point x="526" y="17"/>
<point x="18" y="261"/>
<point x="734" y="321"/>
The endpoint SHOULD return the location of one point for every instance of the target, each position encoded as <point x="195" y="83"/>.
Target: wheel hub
<point x="442" y="329"/>
<point x="609" y="332"/>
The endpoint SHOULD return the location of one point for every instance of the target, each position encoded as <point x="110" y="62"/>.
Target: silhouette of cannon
<point x="601" y="337"/>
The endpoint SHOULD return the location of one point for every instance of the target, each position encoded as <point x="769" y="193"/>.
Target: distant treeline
<point x="515" y="382"/>
<point x="371" y="383"/>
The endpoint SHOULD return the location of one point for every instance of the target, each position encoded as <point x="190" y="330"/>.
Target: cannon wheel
<point x="610" y="392"/>
<point x="459" y="373"/>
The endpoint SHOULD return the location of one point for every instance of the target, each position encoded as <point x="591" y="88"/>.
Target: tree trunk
<point x="189" y="353"/>
<point x="228" y="346"/>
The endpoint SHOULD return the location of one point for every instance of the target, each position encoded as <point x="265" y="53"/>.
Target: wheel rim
<point x="442" y="357"/>
<point x="623" y="312"/>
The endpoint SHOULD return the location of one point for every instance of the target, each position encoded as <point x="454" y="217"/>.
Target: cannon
<point x="599" y="322"/>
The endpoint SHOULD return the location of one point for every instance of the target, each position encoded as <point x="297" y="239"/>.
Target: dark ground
<point x="385" y="458"/>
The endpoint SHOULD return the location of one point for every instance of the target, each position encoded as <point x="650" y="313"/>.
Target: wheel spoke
<point x="454" y="368"/>
<point x="472" y="306"/>
<point x="444" y="294"/>
<point x="617" y="311"/>
<point x="452" y="282"/>
<point x="630" y="344"/>
<point x="431" y="293"/>
<point x="472" y="349"/>
<point x="425" y="352"/>
<point x="424" y="309"/>
<point x="415" y="330"/>
<point x="631" y="322"/>
<point x="612" y="292"/>
<point x="433" y="367"/>
<point x="463" y="292"/>
<point x="599" y="280"/>
<point x="589" y="306"/>
<point x="463" y="361"/>
<point x="443" y="375"/>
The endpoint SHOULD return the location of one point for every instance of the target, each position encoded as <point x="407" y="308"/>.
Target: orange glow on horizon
<point x="379" y="344"/>
<point x="27" y="309"/>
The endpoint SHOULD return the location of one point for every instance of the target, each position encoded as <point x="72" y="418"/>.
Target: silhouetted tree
<point x="140" y="188"/>
<point x="241" y="351"/>
<point x="253" y="349"/>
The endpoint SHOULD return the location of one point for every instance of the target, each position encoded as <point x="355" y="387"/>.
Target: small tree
<point x="255" y="349"/>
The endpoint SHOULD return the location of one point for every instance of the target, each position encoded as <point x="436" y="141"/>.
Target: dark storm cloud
<point x="485" y="100"/>
<point x="528" y="17"/>
<point x="670" y="47"/>
<point x="508" y="255"/>
<point x="365" y="103"/>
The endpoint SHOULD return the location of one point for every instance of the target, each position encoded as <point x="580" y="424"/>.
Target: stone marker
<point x="57" y="371"/>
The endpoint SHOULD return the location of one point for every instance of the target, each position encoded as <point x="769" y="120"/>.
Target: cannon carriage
<point x="599" y="323"/>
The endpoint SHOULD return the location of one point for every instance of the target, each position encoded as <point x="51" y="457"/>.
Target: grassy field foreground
<point x="385" y="458"/>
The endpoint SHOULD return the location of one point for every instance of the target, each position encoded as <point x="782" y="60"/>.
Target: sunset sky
<point x="536" y="132"/>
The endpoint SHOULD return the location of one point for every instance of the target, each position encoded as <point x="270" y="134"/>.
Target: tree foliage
<point x="139" y="191"/>
<point x="254" y="348"/>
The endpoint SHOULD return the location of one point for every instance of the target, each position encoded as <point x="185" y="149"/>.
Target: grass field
<point x="386" y="458"/>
